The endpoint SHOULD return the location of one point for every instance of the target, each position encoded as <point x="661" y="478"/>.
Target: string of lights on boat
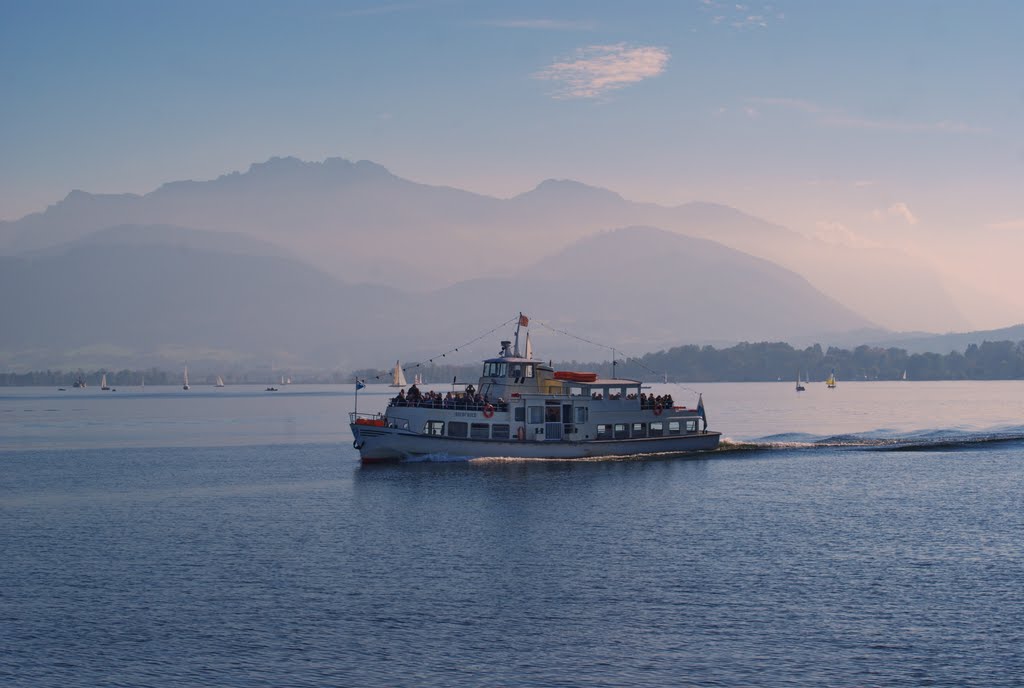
<point x="626" y="359"/>
<point x="454" y="349"/>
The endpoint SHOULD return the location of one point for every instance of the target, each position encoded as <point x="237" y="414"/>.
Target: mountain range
<point x="343" y="264"/>
<point x="359" y="222"/>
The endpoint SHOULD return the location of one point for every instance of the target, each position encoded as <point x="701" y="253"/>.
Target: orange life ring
<point x="488" y="411"/>
<point x="658" y="409"/>
<point x="521" y="433"/>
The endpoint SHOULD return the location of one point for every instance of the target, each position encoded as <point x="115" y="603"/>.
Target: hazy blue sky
<point x="853" y="120"/>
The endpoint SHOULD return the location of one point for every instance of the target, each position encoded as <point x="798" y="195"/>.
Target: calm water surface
<point x="868" y="535"/>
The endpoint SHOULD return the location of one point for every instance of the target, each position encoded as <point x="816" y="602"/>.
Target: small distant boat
<point x="79" y="383"/>
<point x="103" y="383"/>
<point x="417" y="379"/>
<point x="830" y="382"/>
<point x="904" y="375"/>
<point x="270" y="389"/>
<point x="799" y="387"/>
<point x="398" y="376"/>
<point x="220" y="381"/>
<point x="185" y="385"/>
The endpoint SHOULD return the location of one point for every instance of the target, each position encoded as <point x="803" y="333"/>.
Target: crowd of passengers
<point x="468" y="400"/>
<point x="646" y="401"/>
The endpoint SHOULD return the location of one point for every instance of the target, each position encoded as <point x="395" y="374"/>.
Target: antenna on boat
<point x="614" y="363"/>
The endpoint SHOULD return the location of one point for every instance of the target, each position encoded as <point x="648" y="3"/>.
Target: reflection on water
<point x="868" y="535"/>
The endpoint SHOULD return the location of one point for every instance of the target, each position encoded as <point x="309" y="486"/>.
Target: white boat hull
<point x="389" y="445"/>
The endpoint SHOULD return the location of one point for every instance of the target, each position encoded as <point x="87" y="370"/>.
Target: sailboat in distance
<point x="799" y="387"/>
<point x="185" y="385"/>
<point x="398" y="376"/>
<point x="220" y="381"/>
<point x="831" y="381"/>
<point x="103" y="382"/>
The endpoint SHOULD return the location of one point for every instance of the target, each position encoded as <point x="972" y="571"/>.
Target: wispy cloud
<point x="833" y="232"/>
<point x="542" y="24"/>
<point x="897" y="210"/>
<point x="741" y="16"/>
<point x="597" y="69"/>
<point x="838" y="118"/>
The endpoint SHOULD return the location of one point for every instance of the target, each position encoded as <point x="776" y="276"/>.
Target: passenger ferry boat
<point x="524" y="408"/>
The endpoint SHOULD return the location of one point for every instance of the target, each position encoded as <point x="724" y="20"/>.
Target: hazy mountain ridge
<point x="922" y="342"/>
<point x="141" y="296"/>
<point x="360" y="221"/>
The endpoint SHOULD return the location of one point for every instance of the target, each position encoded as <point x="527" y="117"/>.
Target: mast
<point x="519" y="323"/>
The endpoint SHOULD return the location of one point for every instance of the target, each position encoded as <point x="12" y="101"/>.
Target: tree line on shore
<point x="745" y="362"/>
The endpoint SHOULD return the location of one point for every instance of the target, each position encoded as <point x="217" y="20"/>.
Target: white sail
<point x="220" y="381"/>
<point x="103" y="381"/>
<point x="529" y="346"/>
<point x="398" y="376"/>
<point x="417" y="379"/>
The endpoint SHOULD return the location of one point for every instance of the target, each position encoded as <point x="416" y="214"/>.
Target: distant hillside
<point x="359" y="222"/>
<point x="954" y="341"/>
<point x="137" y="304"/>
<point x="161" y="295"/>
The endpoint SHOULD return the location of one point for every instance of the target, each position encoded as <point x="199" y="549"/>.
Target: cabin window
<point x="673" y="427"/>
<point x="657" y="429"/>
<point x="604" y="432"/>
<point x="552" y="412"/>
<point x="599" y="393"/>
<point x="536" y="414"/>
<point x="639" y="429"/>
<point x="528" y="370"/>
<point x="520" y="414"/>
<point x="575" y="391"/>
<point x="581" y="414"/>
<point x="621" y="431"/>
<point x="480" y="431"/>
<point x="691" y="425"/>
<point x="494" y="369"/>
<point x="499" y="431"/>
<point x="515" y="370"/>
<point x="457" y="428"/>
<point x="433" y="427"/>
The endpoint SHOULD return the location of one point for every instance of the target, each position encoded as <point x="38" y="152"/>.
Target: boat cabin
<point x="526" y="399"/>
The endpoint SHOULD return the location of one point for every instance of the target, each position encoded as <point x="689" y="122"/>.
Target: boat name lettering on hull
<point x="463" y="414"/>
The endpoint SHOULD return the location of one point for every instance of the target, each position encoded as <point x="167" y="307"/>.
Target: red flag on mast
<point x="523" y="321"/>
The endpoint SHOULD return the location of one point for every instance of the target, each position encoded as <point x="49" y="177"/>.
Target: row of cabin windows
<point x="605" y="431"/>
<point x="622" y="431"/>
<point x="549" y="414"/>
<point x="513" y="370"/>
<point x="607" y="393"/>
<point x="461" y="429"/>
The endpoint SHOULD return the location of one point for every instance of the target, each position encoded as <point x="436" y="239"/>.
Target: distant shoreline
<point x="690" y="364"/>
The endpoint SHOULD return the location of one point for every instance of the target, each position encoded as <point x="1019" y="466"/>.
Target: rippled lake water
<point x="867" y="535"/>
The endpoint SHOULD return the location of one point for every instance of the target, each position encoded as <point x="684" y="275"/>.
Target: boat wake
<point x="884" y="440"/>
